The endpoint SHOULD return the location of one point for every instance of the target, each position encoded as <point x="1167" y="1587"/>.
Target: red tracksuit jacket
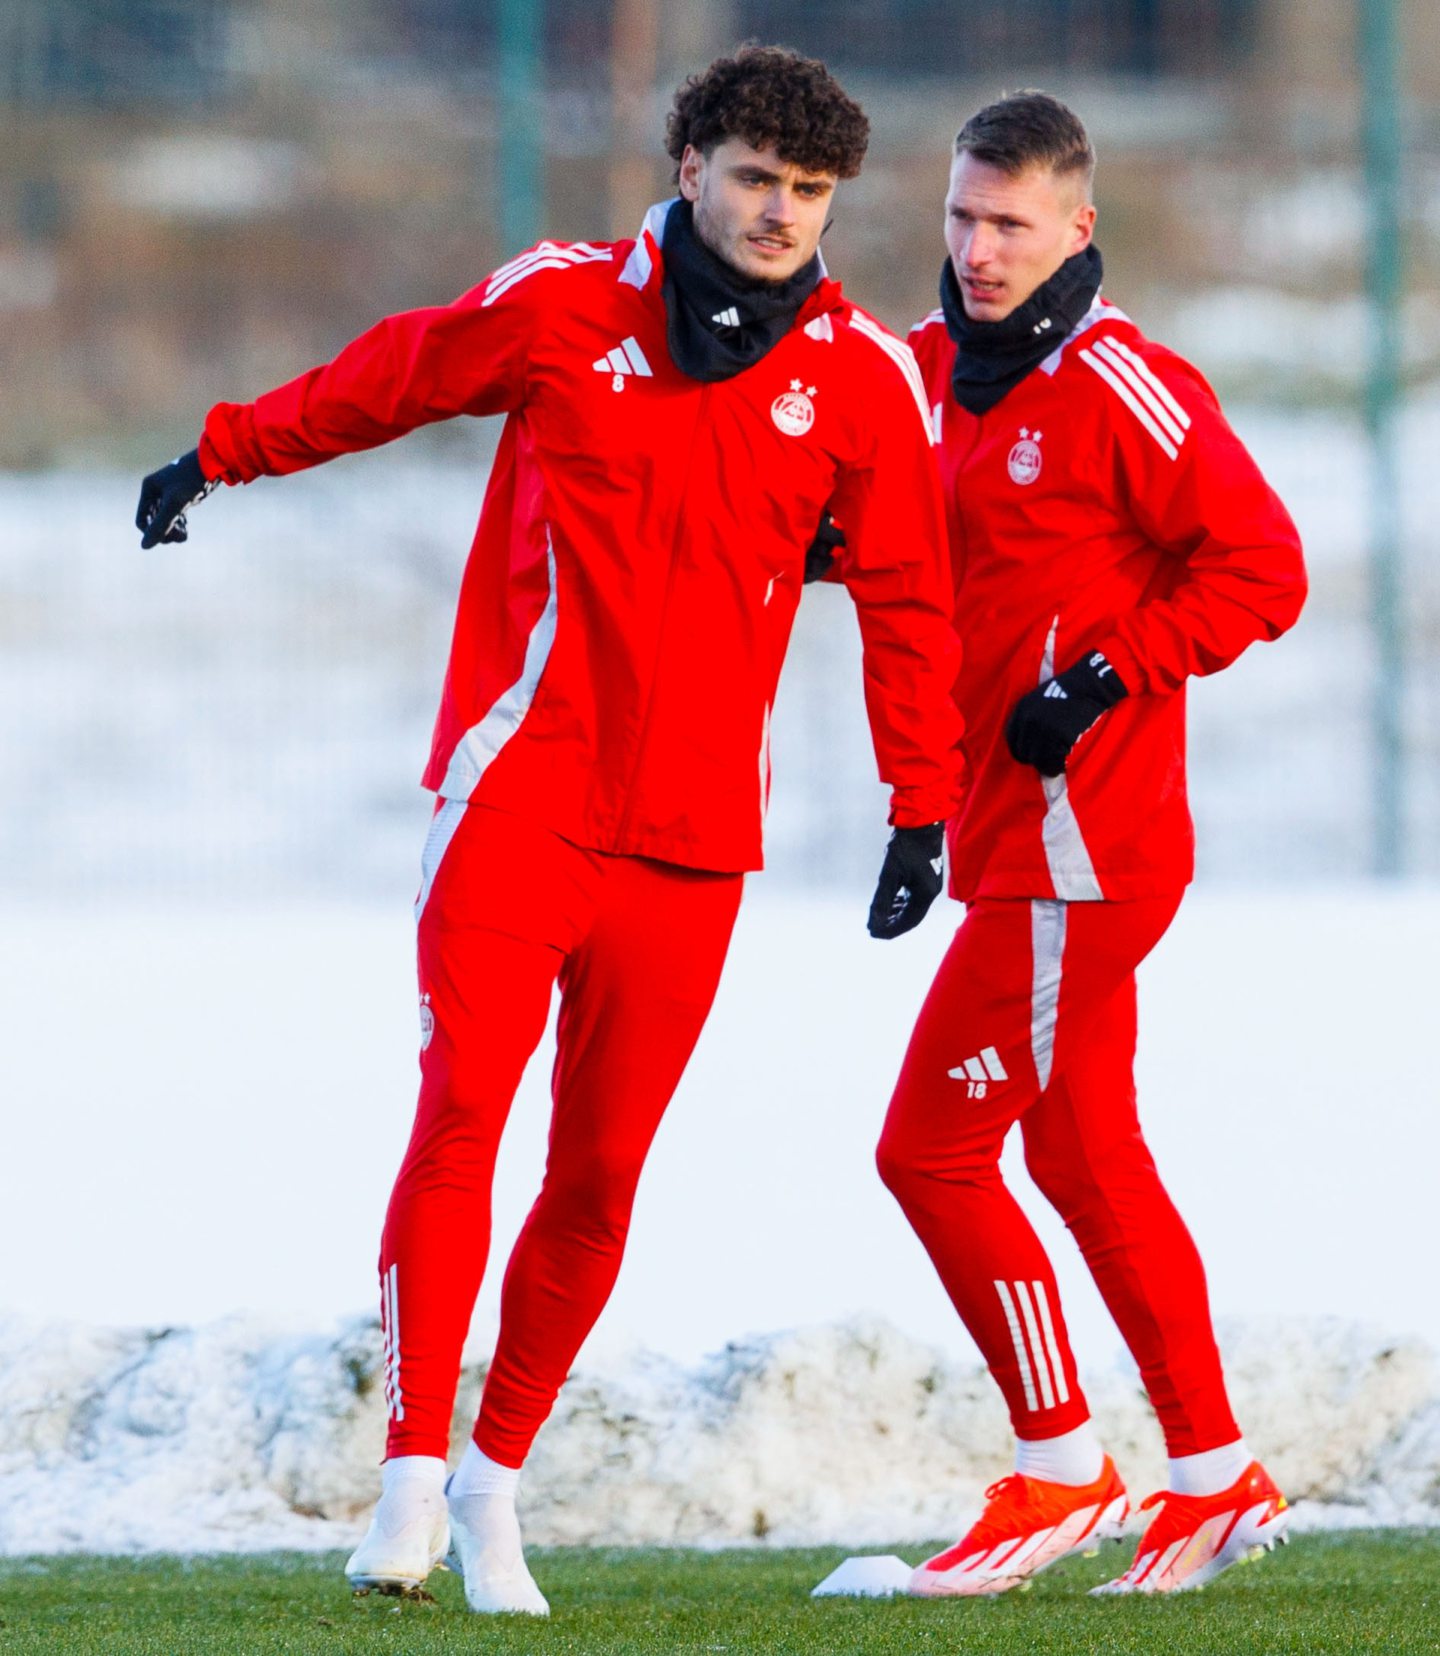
<point x="1103" y="504"/>
<point x="635" y="573"/>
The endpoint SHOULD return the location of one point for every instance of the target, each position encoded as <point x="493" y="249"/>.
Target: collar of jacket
<point x="645" y="268"/>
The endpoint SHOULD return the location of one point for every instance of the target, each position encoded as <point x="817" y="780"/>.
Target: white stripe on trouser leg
<point x="1052" y="1345"/>
<point x="385" y="1337"/>
<point x="396" y="1384"/>
<point x="1047" y="947"/>
<point x="1022" y="1357"/>
<point x="391" y="1302"/>
<point x="1032" y="1328"/>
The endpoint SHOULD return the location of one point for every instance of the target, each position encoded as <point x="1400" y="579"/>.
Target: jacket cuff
<point x="917" y="808"/>
<point x="211" y="463"/>
<point x="1125" y="662"/>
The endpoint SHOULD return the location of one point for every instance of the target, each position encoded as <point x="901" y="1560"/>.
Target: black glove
<point x="822" y="549"/>
<point x="165" y="497"/>
<point x="910" y="879"/>
<point x="1046" y="724"/>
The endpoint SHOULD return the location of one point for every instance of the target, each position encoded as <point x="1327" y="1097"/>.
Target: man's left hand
<point x="910" y="879"/>
<point x="1047" y="723"/>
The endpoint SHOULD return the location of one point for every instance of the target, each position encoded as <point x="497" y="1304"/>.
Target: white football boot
<point x="408" y="1536"/>
<point x="485" y="1547"/>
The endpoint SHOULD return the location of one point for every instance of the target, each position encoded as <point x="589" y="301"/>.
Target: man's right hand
<point x="911" y="878"/>
<point x="165" y="497"/>
<point x="820" y="558"/>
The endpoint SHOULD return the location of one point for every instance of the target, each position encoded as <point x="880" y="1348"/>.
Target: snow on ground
<point x="212" y="1103"/>
<point x="238" y="1436"/>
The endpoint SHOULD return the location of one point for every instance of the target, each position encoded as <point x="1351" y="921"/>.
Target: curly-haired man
<point x="682" y="408"/>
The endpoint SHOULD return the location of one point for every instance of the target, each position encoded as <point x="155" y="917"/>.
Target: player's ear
<point x="692" y="166"/>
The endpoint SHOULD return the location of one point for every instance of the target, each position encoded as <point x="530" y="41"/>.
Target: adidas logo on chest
<point x="625" y="361"/>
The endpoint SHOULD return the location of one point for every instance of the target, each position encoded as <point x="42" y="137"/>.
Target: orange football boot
<point x="1027" y="1525"/>
<point x="1194" y="1537"/>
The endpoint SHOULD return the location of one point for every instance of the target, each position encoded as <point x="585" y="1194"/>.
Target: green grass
<point x="1365" y="1591"/>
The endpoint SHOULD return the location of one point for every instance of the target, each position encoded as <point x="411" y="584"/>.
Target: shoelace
<point x="1015" y="1486"/>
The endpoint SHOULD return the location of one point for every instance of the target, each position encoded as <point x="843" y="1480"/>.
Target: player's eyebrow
<point x="756" y="169"/>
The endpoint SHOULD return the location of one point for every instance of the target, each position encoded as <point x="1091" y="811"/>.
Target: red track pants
<point x="1032" y="1018"/>
<point x="507" y="909"/>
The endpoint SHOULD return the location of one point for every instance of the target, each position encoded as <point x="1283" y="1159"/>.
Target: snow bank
<point x="241" y="1435"/>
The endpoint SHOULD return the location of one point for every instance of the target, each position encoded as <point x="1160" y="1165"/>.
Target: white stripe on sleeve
<point x="1171" y="426"/>
<point x="1161" y="389"/>
<point x="903" y="358"/>
<point x="1131" y="401"/>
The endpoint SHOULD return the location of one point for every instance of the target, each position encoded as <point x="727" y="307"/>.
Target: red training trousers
<point x="1031" y="1018"/>
<point x="507" y="909"/>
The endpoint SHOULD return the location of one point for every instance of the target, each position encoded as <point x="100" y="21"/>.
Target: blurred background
<point x="200" y="198"/>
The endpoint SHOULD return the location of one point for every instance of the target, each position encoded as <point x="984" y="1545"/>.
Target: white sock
<point x="477" y="1474"/>
<point x="419" y="1469"/>
<point x="1072" y="1458"/>
<point x="1211" y="1471"/>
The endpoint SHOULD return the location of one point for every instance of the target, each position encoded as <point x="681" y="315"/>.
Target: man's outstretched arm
<point x="409" y="370"/>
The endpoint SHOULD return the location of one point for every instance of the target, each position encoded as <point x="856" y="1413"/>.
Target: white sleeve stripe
<point x="1162" y="390"/>
<point x="498" y="290"/>
<point x="522" y="261"/>
<point x="902" y="354"/>
<point x="1174" y="431"/>
<point x="1123" y="391"/>
<point x="545" y="257"/>
<point x="543" y="249"/>
<point x="546" y="252"/>
<point x="904" y="359"/>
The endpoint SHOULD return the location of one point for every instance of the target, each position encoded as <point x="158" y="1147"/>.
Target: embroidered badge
<point x="792" y="411"/>
<point x="1025" y="457"/>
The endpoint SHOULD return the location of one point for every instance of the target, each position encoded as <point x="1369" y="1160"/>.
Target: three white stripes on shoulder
<point x="1142" y="391"/>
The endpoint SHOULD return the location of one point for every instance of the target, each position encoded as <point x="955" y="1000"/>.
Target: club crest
<point x="1025" y="458"/>
<point x="792" y="411"/>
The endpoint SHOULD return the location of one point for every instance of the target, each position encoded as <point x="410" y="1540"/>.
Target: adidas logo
<point x="626" y="358"/>
<point x="979" y="1071"/>
<point x="1055" y="692"/>
<point x="727" y="318"/>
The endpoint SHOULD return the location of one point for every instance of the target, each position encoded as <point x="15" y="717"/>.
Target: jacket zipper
<point x="640" y="746"/>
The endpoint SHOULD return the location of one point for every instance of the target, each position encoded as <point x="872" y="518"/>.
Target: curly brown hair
<point x="770" y="96"/>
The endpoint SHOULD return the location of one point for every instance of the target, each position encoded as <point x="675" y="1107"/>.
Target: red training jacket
<point x="633" y="580"/>
<point x="1103" y="504"/>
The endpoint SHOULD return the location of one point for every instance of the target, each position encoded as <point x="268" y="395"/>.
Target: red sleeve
<point x="896" y="566"/>
<point x="1195" y="492"/>
<point x="407" y="371"/>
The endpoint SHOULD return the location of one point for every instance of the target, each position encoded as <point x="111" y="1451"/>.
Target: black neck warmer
<point x="992" y="358"/>
<point x="719" y="322"/>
